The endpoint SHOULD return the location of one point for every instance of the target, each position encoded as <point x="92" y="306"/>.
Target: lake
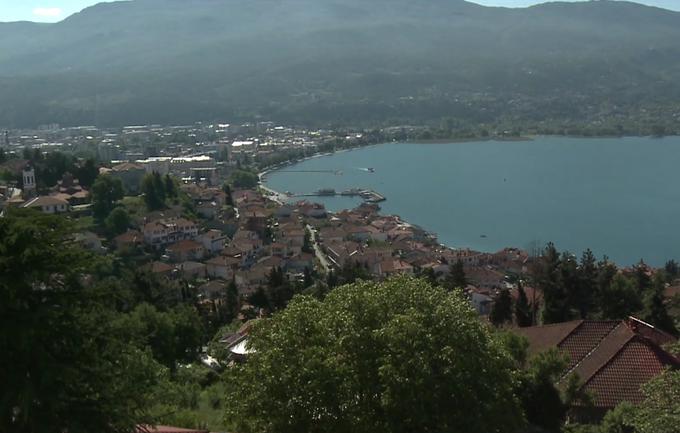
<point x="616" y="196"/>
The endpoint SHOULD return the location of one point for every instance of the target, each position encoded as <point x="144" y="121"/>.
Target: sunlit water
<point x="619" y="196"/>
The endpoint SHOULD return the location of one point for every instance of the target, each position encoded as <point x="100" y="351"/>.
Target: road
<point x="317" y="250"/>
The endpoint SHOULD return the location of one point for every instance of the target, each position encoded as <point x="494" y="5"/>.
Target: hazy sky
<point x="57" y="10"/>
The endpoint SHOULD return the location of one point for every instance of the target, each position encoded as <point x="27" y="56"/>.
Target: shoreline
<point x="283" y="198"/>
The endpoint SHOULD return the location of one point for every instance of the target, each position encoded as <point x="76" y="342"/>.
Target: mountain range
<point x="346" y="62"/>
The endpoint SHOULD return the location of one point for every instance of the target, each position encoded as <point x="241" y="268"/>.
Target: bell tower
<point x="29" y="187"/>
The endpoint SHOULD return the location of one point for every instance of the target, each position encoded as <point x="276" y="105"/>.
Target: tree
<point x="106" y="191"/>
<point x="307" y="243"/>
<point x="231" y="300"/>
<point x="619" y="420"/>
<point x="154" y="192"/>
<point x="117" y="222"/>
<point x="672" y="270"/>
<point x="244" y="179"/>
<point x="641" y="275"/>
<point x="159" y="186"/>
<point x="501" y="312"/>
<point x="621" y="299"/>
<point x="456" y="278"/>
<point x="397" y="356"/>
<point x="541" y="400"/>
<point x="654" y="307"/>
<point x="227" y="190"/>
<point x="523" y="313"/>
<point x="63" y="364"/>
<point x="548" y="278"/>
<point x="169" y="187"/>
<point x="87" y="173"/>
<point x="587" y="284"/>
<point x="660" y="411"/>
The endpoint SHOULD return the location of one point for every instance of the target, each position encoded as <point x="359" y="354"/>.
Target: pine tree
<point x="153" y="190"/>
<point x="308" y="280"/>
<point x="231" y="300"/>
<point x="587" y="284"/>
<point x="159" y="186"/>
<point x="456" y="279"/>
<point x="523" y="315"/>
<point x="501" y="312"/>
<point x="170" y="190"/>
<point x="654" y="308"/>
<point x="548" y="279"/>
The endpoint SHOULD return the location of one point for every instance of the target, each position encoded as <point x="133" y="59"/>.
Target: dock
<point x="368" y="195"/>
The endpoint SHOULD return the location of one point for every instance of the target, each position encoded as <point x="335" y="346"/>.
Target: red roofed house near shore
<point x="612" y="359"/>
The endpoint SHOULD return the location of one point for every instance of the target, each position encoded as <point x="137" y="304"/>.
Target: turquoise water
<point x="619" y="196"/>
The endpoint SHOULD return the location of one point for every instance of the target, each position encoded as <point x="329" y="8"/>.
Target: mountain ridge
<point x="318" y="61"/>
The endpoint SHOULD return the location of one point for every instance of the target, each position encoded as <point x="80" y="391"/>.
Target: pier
<point x="369" y="196"/>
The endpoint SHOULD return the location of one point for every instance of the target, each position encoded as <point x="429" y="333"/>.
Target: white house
<point x="48" y="205"/>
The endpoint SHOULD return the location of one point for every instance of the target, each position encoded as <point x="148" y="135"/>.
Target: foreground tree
<point x="63" y="366"/>
<point x="660" y="412"/>
<point x="398" y="356"/>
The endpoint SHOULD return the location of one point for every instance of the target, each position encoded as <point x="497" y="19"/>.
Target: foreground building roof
<point x="613" y="359"/>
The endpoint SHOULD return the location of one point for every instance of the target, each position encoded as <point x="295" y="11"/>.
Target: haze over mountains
<point x="338" y="61"/>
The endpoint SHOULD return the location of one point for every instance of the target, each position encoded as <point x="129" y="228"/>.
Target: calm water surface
<point x="619" y="196"/>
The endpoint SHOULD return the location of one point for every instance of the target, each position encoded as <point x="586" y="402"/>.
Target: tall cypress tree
<point x="523" y="316"/>
<point x="501" y="312"/>
<point x="587" y="284"/>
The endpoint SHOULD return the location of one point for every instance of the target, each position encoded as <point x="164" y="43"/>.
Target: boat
<point x="371" y="170"/>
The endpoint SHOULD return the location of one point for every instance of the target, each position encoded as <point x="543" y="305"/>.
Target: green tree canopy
<point x="117" y="222"/>
<point x="398" y="356"/>
<point x="660" y="411"/>
<point x="63" y="367"/>
<point x="244" y="179"/>
<point x="106" y="191"/>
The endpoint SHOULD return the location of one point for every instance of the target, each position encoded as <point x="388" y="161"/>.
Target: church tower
<point x="29" y="188"/>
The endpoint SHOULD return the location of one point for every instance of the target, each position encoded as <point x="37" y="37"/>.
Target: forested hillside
<point x="340" y="61"/>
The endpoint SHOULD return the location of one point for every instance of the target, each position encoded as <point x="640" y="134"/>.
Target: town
<point x="186" y="205"/>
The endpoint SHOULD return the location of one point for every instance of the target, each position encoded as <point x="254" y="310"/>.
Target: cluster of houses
<point x="241" y="239"/>
<point x="63" y="197"/>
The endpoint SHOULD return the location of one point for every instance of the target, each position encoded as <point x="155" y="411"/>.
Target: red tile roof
<point x="613" y="359"/>
<point x="620" y="379"/>
<point x="584" y="338"/>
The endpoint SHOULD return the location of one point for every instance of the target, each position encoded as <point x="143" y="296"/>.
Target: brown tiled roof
<point x="544" y="337"/>
<point x="160" y="267"/>
<point x="585" y="338"/>
<point x="620" y="379"/>
<point x="613" y="359"/>
<point x="185" y="245"/>
<point x="588" y="364"/>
